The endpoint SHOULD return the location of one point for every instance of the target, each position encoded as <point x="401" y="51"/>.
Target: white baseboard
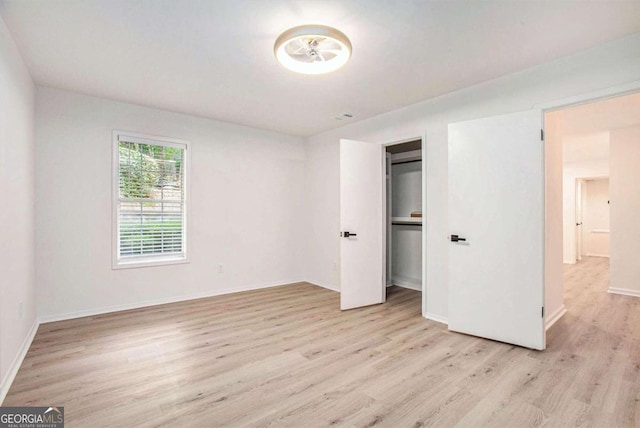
<point x="552" y="318"/>
<point x="17" y="361"/>
<point x="436" y="318"/>
<point x="162" y="301"/>
<point x="624" y="291"/>
<point x="406" y="282"/>
<point x="408" y="286"/>
<point x="597" y="255"/>
<point x="323" y="285"/>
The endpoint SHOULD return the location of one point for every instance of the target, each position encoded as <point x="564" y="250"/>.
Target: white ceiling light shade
<point x="312" y="49"/>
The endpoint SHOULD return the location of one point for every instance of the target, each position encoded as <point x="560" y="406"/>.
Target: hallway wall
<point x="625" y="208"/>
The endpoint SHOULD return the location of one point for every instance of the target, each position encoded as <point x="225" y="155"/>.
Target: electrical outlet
<point x="21" y="310"/>
<point x="220" y="270"/>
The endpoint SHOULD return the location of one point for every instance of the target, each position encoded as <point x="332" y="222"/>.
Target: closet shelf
<point x="407" y="220"/>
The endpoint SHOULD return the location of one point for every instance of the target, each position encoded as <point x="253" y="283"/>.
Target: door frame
<point x="423" y="187"/>
<point x="561" y="104"/>
<point x="579" y="215"/>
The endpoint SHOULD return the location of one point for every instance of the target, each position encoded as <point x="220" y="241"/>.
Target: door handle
<point x="578" y="224"/>
<point x="456" y="238"/>
<point x="347" y="234"/>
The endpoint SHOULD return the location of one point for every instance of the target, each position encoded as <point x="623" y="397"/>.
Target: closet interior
<point x="404" y="215"/>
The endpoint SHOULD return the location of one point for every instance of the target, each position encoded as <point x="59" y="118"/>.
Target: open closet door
<point x="496" y="221"/>
<point x="361" y="224"/>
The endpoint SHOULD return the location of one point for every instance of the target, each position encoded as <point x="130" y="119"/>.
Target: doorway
<point x="592" y="153"/>
<point x="580" y="190"/>
<point x="403" y="206"/>
<point x="593" y="224"/>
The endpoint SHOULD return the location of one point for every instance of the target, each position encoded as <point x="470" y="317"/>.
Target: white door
<point x="362" y="243"/>
<point x="496" y="204"/>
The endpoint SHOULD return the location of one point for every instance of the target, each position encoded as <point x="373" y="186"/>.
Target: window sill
<point x="155" y="261"/>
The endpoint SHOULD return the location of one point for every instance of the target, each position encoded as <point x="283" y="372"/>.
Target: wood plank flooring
<point x="287" y="356"/>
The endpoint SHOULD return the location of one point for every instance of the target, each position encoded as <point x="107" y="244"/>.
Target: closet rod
<point x="410" y="161"/>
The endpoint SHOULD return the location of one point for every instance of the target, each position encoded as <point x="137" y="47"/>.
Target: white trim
<point x="383" y="221"/>
<point x="143" y="262"/>
<point x="624" y="292"/>
<point x="551" y="320"/>
<point x="159" y="260"/>
<point x="128" y="137"/>
<point x="436" y="318"/>
<point x="323" y="285"/>
<point x="425" y="198"/>
<point x="404" y="140"/>
<point x="162" y="301"/>
<point x="17" y="361"/>
<point x="587" y="97"/>
<point x="597" y="255"/>
<point x="408" y="286"/>
<point x="388" y="228"/>
<point x="405" y="282"/>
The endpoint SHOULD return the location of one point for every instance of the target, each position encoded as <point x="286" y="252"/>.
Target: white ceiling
<point x="214" y="58"/>
<point x="586" y="127"/>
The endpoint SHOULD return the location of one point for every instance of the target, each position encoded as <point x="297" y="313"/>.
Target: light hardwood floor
<point x="287" y="356"/>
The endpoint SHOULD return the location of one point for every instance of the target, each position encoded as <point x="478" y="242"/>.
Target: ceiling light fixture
<point x="312" y="49"/>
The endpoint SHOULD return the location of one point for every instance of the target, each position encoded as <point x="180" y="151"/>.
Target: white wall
<point x="624" y="188"/>
<point x="17" y="269"/>
<point x="553" y="287"/>
<point x="606" y="66"/>
<point x="571" y="172"/>
<point x="596" y="219"/>
<point x="406" y="183"/>
<point x="406" y="267"/>
<point x="246" y="213"/>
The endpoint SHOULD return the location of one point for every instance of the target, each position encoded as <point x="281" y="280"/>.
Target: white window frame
<point x="152" y="260"/>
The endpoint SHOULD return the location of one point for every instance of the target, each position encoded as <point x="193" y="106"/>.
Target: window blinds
<point x="151" y="198"/>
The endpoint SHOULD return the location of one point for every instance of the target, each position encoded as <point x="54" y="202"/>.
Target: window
<point x="150" y="200"/>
